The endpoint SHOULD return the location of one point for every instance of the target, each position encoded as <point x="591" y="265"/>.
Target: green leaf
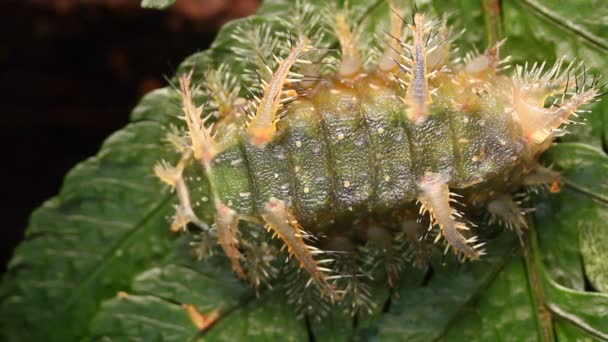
<point x="461" y="297"/>
<point x="503" y="313"/>
<point x="578" y="217"/>
<point x="594" y="240"/>
<point x="586" y="310"/>
<point x="569" y="332"/>
<point x="107" y="223"/>
<point x="157" y="4"/>
<point x="99" y="264"/>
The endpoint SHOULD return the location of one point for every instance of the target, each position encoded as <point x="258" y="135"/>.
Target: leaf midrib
<point x="99" y="267"/>
<point x="566" y="24"/>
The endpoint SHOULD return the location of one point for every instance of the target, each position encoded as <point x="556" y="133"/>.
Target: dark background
<point x="70" y="73"/>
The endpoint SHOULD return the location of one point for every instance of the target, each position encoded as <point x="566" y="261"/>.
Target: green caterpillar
<point x="331" y="161"/>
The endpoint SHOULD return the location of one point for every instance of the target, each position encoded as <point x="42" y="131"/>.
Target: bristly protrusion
<point x="388" y="255"/>
<point x="283" y="223"/>
<point x="222" y="89"/>
<point x="393" y="48"/>
<point x="172" y="176"/>
<point x="351" y="62"/>
<point x="505" y="211"/>
<point x="203" y="244"/>
<point x="226" y="224"/>
<point x="178" y="139"/>
<point x="440" y="48"/>
<point x="435" y="198"/>
<point x="542" y="178"/>
<point x="305" y="21"/>
<point x="304" y="296"/>
<point x="487" y="63"/>
<point x="308" y="20"/>
<point x="358" y="292"/>
<point x="204" y="146"/>
<point x="259" y="259"/>
<point x="418" y="97"/>
<point x="533" y="86"/>
<point x="261" y="129"/>
<point x="255" y="47"/>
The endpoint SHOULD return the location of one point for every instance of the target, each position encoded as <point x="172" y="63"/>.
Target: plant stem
<point x="491" y="13"/>
<point x="533" y="265"/>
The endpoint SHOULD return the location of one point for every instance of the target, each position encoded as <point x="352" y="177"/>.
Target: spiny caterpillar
<point x="341" y="155"/>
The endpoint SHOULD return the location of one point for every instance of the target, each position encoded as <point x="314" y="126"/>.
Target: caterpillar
<point x="346" y="156"/>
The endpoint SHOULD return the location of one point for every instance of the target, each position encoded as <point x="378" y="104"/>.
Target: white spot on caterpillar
<point x="340" y="136"/>
<point x="463" y="140"/>
<point x="236" y="162"/>
<point x="245" y="194"/>
<point x="296" y="168"/>
<point x="204" y="198"/>
<point x="346" y="184"/>
<point x="298" y="143"/>
<point x="387" y="178"/>
<point x="465" y="119"/>
<point x="380" y="130"/>
<point x="276" y="175"/>
<point x="306" y="190"/>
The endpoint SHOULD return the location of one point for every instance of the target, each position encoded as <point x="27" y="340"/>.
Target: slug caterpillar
<point x="354" y="158"/>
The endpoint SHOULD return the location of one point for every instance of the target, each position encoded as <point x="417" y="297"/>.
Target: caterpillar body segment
<point x="346" y="156"/>
<point x="389" y="140"/>
<point x="348" y="147"/>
